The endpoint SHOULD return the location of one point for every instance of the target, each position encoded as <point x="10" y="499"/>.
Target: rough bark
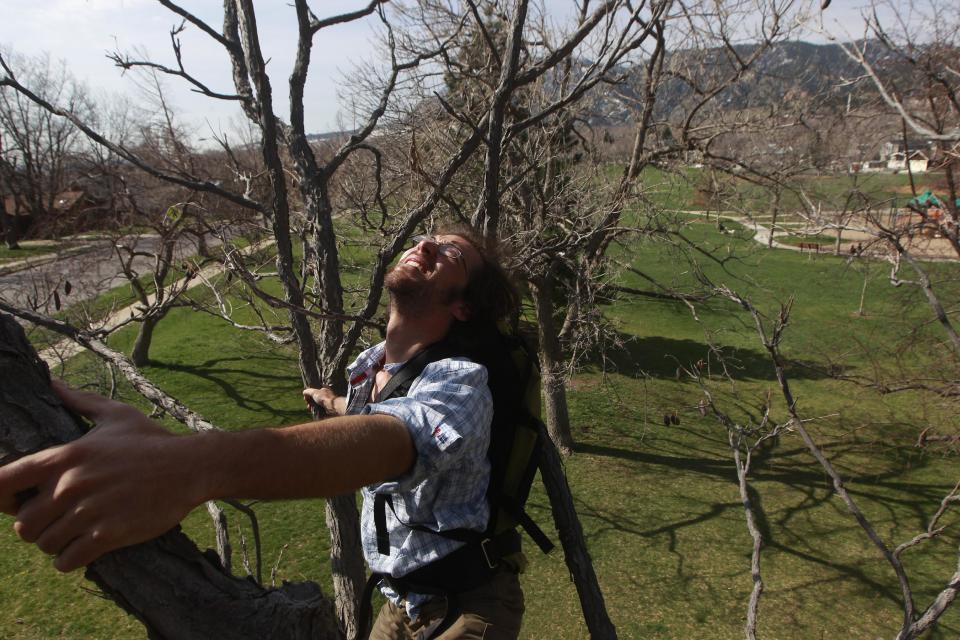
<point x="487" y="217"/>
<point x="342" y="512"/>
<point x="574" y="545"/>
<point x="551" y="361"/>
<point x="168" y="584"/>
<point x="346" y="560"/>
<point x="141" y="346"/>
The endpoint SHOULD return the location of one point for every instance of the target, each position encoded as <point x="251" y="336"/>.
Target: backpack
<point x="514" y="454"/>
<point x="514" y="383"/>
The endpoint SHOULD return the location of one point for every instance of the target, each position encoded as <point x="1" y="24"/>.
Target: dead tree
<point x="916" y="78"/>
<point x="915" y="620"/>
<point x="36" y="147"/>
<point x="200" y="599"/>
<point x="293" y="194"/>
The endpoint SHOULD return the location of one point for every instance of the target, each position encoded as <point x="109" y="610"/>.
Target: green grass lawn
<point x="8" y="255"/>
<point x="694" y="189"/>
<point x="659" y="505"/>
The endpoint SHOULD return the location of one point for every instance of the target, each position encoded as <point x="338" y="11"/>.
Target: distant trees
<point x="917" y="78"/>
<point x="39" y="151"/>
<point x="479" y="112"/>
<point x="293" y="188"/>
<point x="909" y="61"/>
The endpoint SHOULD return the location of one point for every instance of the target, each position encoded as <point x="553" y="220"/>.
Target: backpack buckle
<point x="486" y="555"/>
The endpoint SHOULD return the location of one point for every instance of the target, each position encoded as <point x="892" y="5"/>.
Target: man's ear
<point x="461" y="310"/>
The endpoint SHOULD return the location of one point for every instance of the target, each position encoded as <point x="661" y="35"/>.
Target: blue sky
<point x="80" y="32"/>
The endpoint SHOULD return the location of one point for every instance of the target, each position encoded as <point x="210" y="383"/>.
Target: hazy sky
<point x="80" y="32"/>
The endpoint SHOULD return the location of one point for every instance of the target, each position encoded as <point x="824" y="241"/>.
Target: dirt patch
<point x="920" y="246"/>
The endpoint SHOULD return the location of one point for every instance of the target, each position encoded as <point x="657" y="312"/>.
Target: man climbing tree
<point x="424" y="452"/>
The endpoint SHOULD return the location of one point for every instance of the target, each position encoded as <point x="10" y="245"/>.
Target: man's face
<point x="432" y="272"/>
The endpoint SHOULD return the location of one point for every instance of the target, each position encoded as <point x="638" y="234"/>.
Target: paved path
<point x="927" y="249"/>
<point x="66" y="349"/>
<point x="90" y="271"/>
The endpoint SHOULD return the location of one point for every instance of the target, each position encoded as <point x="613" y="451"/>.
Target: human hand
<point x="123" y="483"/>
<point x="326" y="399"/>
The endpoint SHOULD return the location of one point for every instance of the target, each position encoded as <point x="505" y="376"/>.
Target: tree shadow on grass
<point x="249" y="388"/>
<point x="884" y="490"/>
<point x="662" y="357"/>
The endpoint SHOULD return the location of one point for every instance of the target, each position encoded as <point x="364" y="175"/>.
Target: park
<point x="746" y="339"/>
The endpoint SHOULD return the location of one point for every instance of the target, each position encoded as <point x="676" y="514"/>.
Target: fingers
<point x="19" y="477"/>
<point x="318" y="398"/>
<point x="89" y="405"/>
<point x="35" y="516"/>
<point x="83" y="550"/>
<point x="56" y="537"/>
<point x="67" y="534"/>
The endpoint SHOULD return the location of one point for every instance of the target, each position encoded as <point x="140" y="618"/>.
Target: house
<point x="917" y="161"/>
<point x="71" y="211"/>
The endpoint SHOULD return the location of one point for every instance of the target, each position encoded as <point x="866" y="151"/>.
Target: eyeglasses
<point x="448" y="249"/>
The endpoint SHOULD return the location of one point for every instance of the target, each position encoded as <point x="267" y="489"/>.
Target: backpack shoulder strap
<point x="399" y="383"/>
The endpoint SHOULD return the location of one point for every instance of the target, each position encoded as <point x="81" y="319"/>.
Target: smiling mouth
<point x="417" y="263"/>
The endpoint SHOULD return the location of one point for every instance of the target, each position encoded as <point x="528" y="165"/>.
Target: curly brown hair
<point x="490" y="292"/>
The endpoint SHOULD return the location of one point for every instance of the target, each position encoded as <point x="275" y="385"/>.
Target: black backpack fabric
<point x="514" y="382"/>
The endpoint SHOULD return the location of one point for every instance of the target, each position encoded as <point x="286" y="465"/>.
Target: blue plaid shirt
<point x="448" y="411"/>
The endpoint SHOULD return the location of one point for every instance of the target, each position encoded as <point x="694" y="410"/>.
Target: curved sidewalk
<point x="67" y="348"/>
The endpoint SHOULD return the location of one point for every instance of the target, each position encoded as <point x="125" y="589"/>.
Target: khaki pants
<point x="492" y="611"/>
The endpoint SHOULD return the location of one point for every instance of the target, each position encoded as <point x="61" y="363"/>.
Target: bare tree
<point x="170" y="565"/>
<point x="916" y="620"/>
<point x="37" y="149"/>
<point x="909" y="59"/>
<point x="293" y="191"/>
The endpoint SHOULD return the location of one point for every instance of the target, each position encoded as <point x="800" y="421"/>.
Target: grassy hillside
<point x="659" y="504"/>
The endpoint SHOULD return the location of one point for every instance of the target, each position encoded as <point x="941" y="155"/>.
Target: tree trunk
<point x="773" y="219"/>
<point x="203" y="250"/>
<point x="863" y="293"/>
<point x="8" y="223"/>
<point x="343" y="519"/>
<point x="9" y="231"/>
<point x="346" y="590"/>
<point x="8" y="227"/>
<point x="347" y="566"/>
<point x="168" y="584"/>
<point x="574" y="545"/>
<point x="141" y="346"/>
<point x="551" y="367"/>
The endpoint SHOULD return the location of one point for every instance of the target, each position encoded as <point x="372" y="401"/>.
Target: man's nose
<point x="427" y="246"/>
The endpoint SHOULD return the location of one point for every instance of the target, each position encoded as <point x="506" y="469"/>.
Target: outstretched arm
<point x="129" y="480"/>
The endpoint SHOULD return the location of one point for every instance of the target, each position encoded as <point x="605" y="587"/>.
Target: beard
<point x="410" y="293"/>
<point x="407" y="292"/>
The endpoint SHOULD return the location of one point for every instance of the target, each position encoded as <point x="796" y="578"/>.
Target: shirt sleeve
<point x="448" y="412"/>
